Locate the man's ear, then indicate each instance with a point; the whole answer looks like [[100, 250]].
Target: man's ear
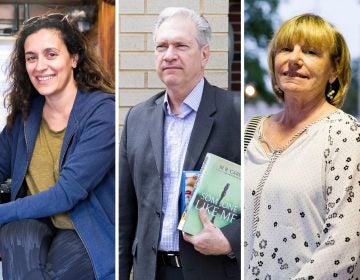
[[205, 54]]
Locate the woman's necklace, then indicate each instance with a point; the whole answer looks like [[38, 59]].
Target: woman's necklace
[[262, 138]]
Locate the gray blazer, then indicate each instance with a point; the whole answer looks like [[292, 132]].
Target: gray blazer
[[216, 130]]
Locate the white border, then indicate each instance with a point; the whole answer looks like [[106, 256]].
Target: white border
[[242, 15], [117, 138]]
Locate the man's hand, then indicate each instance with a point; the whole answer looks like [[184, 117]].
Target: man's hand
[[211, 240]]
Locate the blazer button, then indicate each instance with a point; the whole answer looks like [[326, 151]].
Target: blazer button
[[153, 248], [158, 213]]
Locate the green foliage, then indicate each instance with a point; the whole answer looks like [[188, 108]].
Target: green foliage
[[256, 76], [259, 16]]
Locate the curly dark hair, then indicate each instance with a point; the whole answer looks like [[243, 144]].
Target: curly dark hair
[[89, 73]]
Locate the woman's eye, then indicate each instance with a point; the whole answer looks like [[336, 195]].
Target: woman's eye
[[310, 52], [51, 55], [285, 49], [30, 59]]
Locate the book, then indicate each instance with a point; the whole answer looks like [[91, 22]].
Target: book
[[217, 189], [188, 180]]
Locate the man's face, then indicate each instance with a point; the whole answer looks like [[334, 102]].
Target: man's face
[[179, 59]]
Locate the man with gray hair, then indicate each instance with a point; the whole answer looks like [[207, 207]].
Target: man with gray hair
[[171, 132]]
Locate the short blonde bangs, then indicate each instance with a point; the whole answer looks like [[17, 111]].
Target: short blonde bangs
[[313, 31]]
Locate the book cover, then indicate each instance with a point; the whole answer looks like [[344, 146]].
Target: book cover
[[217, 189], [188, 179]]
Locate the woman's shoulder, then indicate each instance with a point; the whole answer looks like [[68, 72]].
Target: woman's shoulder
[[96, 96], [92, 104], [343, 128], [341, 119], [92, 100]]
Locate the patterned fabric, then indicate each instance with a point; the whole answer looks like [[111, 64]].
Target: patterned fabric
[[308, 216], [177, 131]]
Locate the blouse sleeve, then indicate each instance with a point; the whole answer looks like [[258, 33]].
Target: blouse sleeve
[[337, 254]]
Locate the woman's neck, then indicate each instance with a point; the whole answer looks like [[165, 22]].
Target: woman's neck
[[57, 110], [302, 113]]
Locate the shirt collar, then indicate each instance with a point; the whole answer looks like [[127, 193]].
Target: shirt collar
[[192, 101]]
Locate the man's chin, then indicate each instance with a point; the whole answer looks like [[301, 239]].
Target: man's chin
[[171, 81]]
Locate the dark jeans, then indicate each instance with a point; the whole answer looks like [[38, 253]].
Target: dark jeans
[[34, 249]]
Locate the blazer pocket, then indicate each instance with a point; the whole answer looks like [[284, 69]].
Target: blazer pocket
[[134, 247]]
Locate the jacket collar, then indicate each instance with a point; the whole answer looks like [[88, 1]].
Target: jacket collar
[[82, 105], [202, 127], [199, 135], [156, 126]]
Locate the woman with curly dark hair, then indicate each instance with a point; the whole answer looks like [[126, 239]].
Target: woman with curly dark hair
[[58, 148]]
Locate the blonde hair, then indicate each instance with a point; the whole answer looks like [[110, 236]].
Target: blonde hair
[[313, 30]]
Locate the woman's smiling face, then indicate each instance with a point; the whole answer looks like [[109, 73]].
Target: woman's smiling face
[[48, 62], [303, 69]]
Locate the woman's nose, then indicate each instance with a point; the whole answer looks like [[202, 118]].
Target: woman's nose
[[295, 56], [40, 64]]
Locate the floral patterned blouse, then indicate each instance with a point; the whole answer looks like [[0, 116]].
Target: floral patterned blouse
[[302, 205]]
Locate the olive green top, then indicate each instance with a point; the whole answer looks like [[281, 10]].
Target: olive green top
[[43, 171]]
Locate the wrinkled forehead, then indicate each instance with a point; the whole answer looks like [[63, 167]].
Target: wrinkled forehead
[[177, 24]]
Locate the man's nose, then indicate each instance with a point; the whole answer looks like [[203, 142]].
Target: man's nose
[[170, 53]]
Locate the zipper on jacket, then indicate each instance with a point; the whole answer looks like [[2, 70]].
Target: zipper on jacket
[[61, 159], [66, 145], [27, 161], [87, 251]]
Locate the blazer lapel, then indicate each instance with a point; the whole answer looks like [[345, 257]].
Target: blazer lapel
[[156, 127], [202, 127]]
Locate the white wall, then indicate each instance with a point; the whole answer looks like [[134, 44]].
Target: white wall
[[6, 46]]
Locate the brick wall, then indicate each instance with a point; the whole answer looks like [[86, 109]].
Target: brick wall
[[137, 77]]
